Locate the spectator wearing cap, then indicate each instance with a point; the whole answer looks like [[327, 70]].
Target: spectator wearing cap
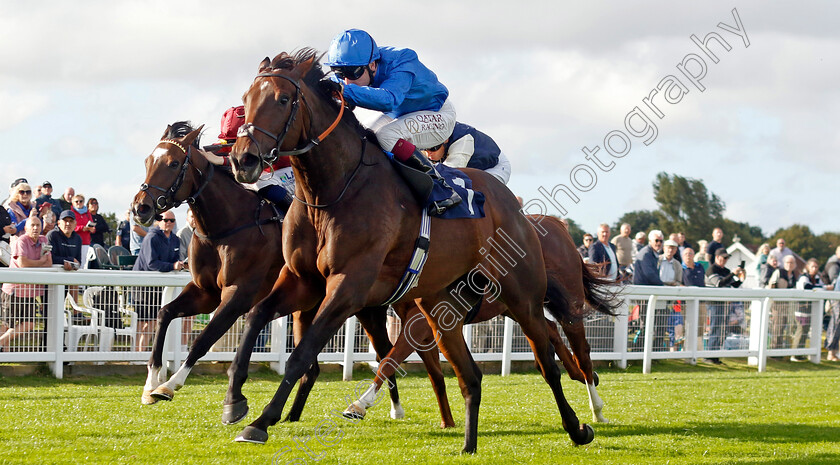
[[66, 243], [670, 270], [719, 275], [19, 302], [583, 250], [646, 266], [46, 197], [97, 236], [602, 252], [12, 190], [675, 238]]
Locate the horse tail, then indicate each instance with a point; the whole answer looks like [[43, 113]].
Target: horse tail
[[557, 300], [602, 294]]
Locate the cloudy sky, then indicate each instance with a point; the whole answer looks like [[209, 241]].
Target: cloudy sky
[[87, 88]]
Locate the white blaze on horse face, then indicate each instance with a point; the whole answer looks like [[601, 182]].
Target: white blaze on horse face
[[159, 152]]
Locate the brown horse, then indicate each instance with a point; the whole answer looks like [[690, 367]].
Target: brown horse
[[579, 284], [349, 238], [235, 257]]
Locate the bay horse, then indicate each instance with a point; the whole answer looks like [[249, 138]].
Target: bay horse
[[571, 284], [235, 256], [349, 237]]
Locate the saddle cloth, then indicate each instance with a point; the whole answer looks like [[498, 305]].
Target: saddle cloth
[[472, 202]]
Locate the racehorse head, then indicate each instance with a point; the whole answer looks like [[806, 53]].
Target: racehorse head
[[275, 124], [173, 173]]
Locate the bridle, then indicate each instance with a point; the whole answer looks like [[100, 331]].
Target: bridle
[[167, 200], [247, 129]]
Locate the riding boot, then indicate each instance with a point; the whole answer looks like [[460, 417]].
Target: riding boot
[[418, 161]]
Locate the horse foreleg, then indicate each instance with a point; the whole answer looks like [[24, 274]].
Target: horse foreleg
[[576, 334], [287, 295], [192, 301], [235, 301], [323, 328], [301, 323], [235, 405]]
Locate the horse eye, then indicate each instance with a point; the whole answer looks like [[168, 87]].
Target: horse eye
[[284, 100], [173, 164]]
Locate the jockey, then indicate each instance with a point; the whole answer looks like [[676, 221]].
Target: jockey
[[468, 147], [416, 109], [276, 183]]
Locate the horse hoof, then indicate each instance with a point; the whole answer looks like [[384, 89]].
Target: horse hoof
[[587, 433], [147, 399], [397, 412], [595, 378], [163, 393], [252, 435], [354, 412], [234, 413]]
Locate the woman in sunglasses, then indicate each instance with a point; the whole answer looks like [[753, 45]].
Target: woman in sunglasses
[[415, 106], [21, 206]]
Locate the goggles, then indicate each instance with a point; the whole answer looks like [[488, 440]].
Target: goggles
[[349, 72]]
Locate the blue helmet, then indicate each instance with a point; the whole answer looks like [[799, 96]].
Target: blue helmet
[[353, 47]]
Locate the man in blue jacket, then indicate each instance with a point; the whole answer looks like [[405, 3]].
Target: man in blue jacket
[[416, 109], [160, 251], [603, 253], [646, 266]]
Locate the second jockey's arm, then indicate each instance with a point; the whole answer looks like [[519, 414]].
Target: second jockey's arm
[[215, 159]]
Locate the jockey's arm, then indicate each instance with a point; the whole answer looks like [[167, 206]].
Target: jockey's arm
[[214, 159], [385, 98], [460, 152]]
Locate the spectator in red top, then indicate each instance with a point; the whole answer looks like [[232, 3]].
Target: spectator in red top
[[84, 225]]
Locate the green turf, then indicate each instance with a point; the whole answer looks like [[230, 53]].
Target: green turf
[[678, 414]]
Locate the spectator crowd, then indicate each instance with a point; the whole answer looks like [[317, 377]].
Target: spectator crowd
[[40, 231], [651, 260]]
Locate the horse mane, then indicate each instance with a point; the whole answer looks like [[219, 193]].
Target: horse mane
[[180, 129], [286, 61]]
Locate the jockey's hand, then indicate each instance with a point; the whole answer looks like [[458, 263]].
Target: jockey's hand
[[331, 87]]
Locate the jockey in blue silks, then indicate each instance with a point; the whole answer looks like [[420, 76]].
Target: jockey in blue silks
[[468, 147], [417, 113]]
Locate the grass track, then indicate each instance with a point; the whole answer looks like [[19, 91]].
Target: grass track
[[678, 414]]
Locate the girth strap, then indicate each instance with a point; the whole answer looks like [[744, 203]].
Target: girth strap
[[418, 259]]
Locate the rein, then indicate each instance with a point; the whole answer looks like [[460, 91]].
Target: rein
[[276, 218], [346, 185], [247, 129], [167, 201]]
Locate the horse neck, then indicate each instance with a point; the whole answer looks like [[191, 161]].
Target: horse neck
[[218, 206], [322, 174]]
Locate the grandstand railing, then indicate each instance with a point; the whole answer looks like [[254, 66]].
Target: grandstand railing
[[653, 323]]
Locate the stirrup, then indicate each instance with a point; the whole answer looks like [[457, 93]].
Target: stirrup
[[438, 208]]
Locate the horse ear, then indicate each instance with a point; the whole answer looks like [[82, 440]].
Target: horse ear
[[264, 64], [166, 133], [189, 138], [304, 67]]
